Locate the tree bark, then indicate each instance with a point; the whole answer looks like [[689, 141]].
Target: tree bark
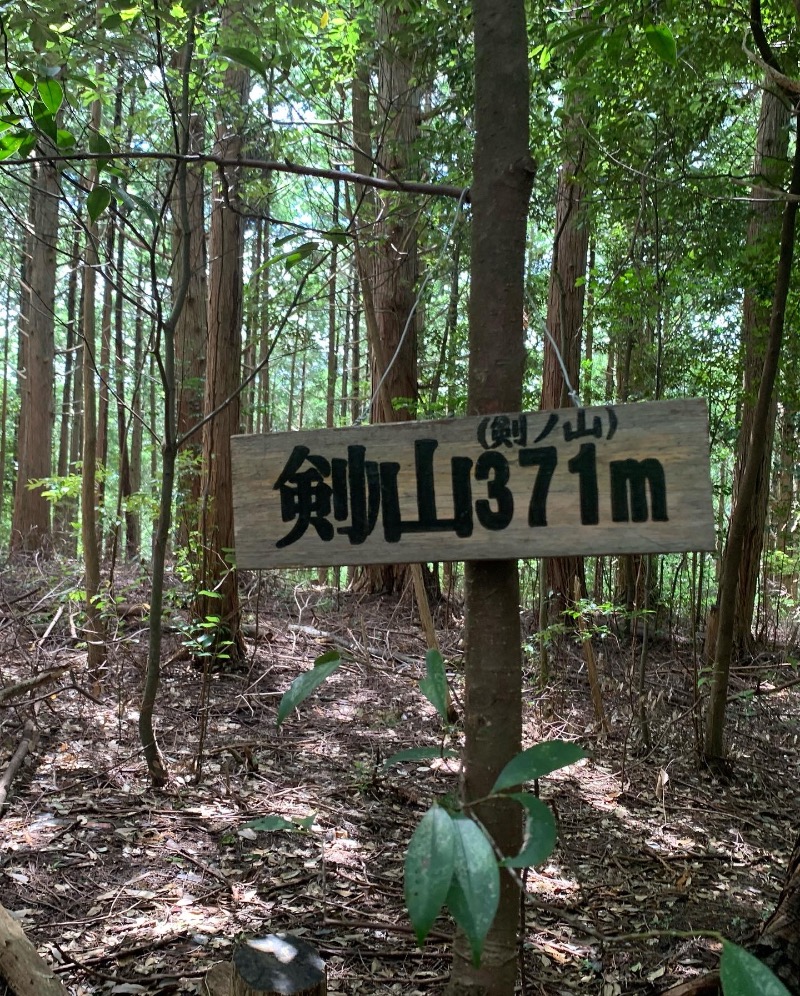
[[192, 330], [714, 748], [565, 301], [30, 526], [503, 172], [223, 359], [769, 168], [392, 267], [94, 629]]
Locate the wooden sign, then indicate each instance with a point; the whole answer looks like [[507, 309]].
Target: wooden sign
[[614, 479]]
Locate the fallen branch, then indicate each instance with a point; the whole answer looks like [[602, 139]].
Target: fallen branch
[[29, 737], [21, 966], [11, 691]]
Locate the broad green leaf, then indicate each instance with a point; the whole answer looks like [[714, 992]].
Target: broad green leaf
[[283, 240], [338, 238], [307, 683], [65, 139], [662, 42], [475, 890], [245, 58], [429, 869], [98, 200], [99, 143], [416, 754], [742, 974], [268, 823], [24, 80], [536, 762], [6, 93], [540, 832], [148, 208], [587, 44], [44, 120], [434, 685], [300, 253], [51, 94], [27, 144]]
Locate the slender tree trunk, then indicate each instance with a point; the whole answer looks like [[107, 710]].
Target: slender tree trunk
[[95, 629], [30, 525], [393, 266], [564, 322], [191, 332], [769, 165], [133, 536], [741, 515], [333, 345], [106, 317], [503, 173], [223, 373]]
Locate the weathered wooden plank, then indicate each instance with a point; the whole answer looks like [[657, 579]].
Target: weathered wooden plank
[[614, 479]]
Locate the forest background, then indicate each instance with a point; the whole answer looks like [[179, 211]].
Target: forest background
[[248, 218]]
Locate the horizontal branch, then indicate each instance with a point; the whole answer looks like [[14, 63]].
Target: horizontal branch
[[265, 165]]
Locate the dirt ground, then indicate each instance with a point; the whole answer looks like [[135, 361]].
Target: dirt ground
[[129, 890]]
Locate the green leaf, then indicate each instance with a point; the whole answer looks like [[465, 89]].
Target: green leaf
[[268, 823], [536, 762], [51, 94], [9, 146], [24, 80], [98, 200], [339, 238], [434, 685], [540, 832], [307, 683], [429, 869], [44, 120], [245, 58], [99, 144], [300, 253], [475, 890], [662, 42], [65, 139], [416, 754], [590, 39], [742, 974]]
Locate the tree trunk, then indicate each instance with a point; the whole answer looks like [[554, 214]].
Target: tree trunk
[[565, 300], [741, 515], [503, 177], [30, 526], [769, 165], [392, 269], [94, 630], [191, 331], [222, 374]]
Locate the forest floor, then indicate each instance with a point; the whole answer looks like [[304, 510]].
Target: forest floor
[[129, 890]]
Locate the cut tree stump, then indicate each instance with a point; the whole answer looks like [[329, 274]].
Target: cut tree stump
[[22, 969], [275, 965]]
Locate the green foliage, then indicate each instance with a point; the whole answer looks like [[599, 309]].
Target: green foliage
[[434, 685], [742, 974], [474, 893], [660, 39], [429, 865], [306, 684], [467, 877]]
